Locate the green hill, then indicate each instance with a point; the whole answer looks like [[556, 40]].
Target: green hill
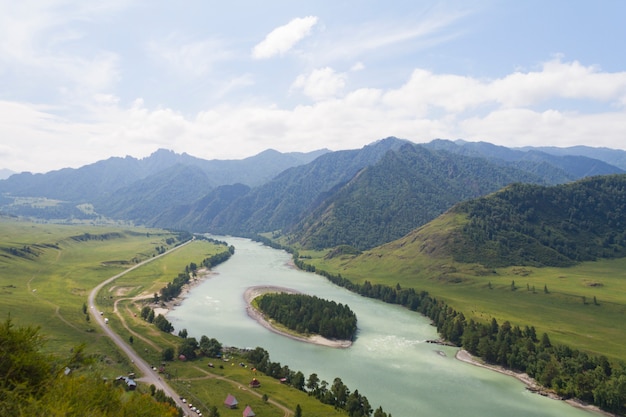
[[545, 226]]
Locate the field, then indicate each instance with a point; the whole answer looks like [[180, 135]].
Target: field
[[47, 272], [582, 306]]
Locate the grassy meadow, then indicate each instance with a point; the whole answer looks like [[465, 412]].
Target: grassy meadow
[[558, 301], [46, 274]]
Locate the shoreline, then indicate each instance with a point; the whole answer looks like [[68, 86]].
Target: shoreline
[[531, 385], [202, 275], [252, 292]]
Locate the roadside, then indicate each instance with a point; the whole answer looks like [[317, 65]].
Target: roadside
[[149, 376]]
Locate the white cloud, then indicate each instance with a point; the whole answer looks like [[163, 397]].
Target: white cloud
[[427, 106], [320, 84], [359, 66], [426, 92], [283, 38], [190, 58], [382, 37], [40, 47], [569, 80]]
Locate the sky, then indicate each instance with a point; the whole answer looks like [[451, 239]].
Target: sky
[[82, 81]]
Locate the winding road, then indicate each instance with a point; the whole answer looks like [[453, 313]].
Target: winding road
[[148, 374]]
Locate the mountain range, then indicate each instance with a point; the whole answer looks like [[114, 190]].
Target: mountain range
[[362, 198]]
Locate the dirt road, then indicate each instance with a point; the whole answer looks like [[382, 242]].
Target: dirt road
[[148, 375]]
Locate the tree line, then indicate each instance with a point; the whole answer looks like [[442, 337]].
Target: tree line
[[570, 373], [174, 287], [309, 314], [336, 394]]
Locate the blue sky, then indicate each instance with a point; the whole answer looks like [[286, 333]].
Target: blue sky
[[83, 81]]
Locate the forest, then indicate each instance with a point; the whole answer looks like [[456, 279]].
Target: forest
[[309, 314], [527, 224]]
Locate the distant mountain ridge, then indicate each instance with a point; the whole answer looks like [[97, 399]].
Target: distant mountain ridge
[[558, 168], [93, 181], [362, 197]]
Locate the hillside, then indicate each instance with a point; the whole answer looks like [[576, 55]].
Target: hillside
[[284, 200], [545, 226], [407, 188]]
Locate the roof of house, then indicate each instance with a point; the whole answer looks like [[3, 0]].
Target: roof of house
[[230, 400], [248, 412]]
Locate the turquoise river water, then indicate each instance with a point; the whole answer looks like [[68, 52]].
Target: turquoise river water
[[389, 362]]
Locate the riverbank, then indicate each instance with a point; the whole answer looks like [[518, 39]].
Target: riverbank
[[201, 275], [253, 292], [531, 384]]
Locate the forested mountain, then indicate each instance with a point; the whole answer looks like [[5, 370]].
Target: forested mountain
[[545, 226], [145, 199], [285, 200], [200, 213], [532, 225], [406, 189], [615, 157]]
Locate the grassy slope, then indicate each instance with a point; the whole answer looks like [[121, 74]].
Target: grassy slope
[[62, 278], [49, 289], [418, 261]]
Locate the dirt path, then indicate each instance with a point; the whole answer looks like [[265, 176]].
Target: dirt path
[[210, 375], [127, 327]]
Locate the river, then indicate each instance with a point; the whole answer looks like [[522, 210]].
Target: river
[[389, 362]]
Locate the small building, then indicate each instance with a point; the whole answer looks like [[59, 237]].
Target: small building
[[254, 383], [248, 412], [230, 401], [130, 383]]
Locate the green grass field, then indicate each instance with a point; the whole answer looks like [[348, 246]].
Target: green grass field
[[48, 283], [567, 311], [46, 276]]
